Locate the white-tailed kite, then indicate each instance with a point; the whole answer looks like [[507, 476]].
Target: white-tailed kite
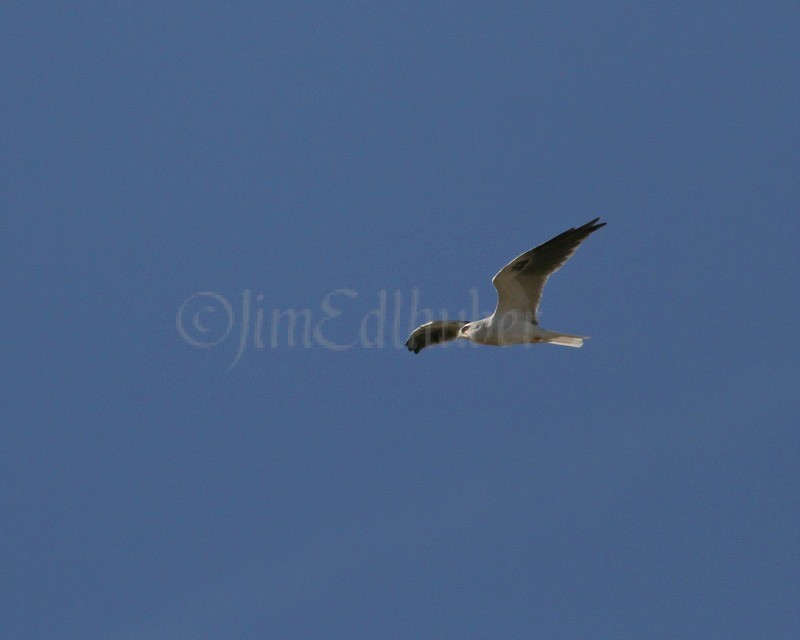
[[519, 289]]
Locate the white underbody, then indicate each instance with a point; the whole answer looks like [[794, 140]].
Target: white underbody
[[515, 327]]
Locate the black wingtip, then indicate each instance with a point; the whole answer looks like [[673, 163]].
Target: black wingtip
[[412, 347]]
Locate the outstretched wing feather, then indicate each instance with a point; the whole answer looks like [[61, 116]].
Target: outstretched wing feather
[[433, 333], [520, 283]]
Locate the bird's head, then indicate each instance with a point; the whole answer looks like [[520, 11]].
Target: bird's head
[[466, 331]]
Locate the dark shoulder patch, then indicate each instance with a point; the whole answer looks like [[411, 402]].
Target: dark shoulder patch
[[519, 266]]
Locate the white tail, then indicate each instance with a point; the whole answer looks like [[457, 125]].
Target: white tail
[[564, 339]]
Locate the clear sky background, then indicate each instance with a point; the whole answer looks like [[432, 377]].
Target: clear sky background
[[308, 157]]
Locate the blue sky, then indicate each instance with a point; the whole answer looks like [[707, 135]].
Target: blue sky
[[317, 160]]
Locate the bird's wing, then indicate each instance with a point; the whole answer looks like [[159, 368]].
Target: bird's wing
[[432, 333], [519, 284]]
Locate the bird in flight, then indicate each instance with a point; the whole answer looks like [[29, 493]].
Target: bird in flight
[[519, 290]]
